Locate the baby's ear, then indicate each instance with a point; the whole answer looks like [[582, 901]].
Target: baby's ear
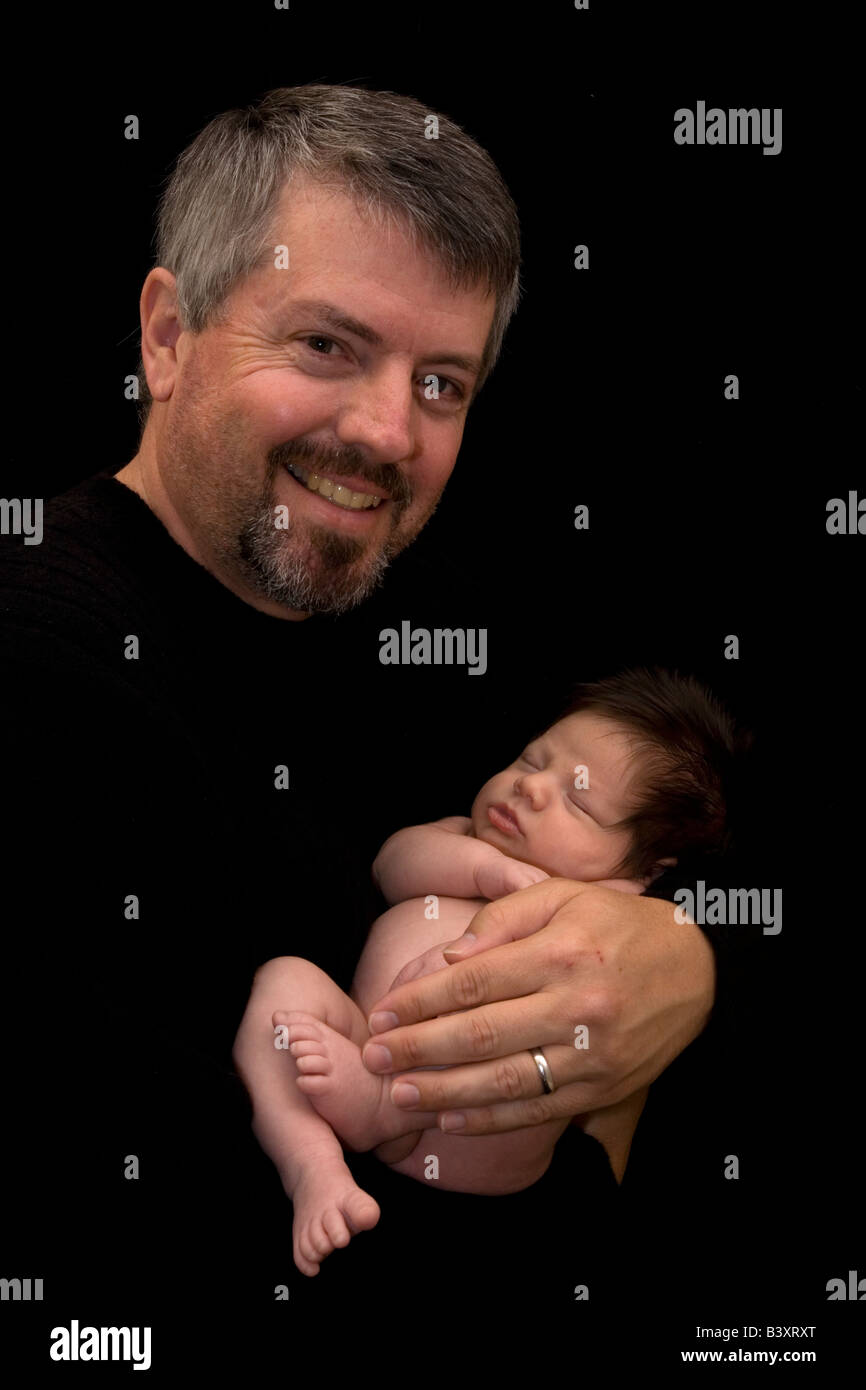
[[661, 865]]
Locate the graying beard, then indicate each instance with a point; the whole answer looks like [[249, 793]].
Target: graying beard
[[281, 575]]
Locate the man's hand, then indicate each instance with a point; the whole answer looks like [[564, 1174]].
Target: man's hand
[[499, 875], [534, 968]]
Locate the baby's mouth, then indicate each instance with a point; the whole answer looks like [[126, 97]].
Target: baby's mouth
[[502, 818]]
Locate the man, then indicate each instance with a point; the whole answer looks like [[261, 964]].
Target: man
[[332, 291]]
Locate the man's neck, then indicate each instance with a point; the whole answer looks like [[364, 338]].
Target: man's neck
[[147, 484]]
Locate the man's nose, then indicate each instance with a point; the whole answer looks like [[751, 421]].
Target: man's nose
[[379, 414]]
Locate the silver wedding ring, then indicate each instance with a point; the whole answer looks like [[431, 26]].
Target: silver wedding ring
[[543, 1070]]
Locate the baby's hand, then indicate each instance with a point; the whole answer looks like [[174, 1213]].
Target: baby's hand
[[427, 964], [496, 878]]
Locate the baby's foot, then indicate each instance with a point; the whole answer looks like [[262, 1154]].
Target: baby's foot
[[356, 1104], [329, 1209]]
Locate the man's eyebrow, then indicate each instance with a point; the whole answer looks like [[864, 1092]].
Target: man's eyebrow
[[337, 318]]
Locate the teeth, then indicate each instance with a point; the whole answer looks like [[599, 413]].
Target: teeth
[[335, 492]]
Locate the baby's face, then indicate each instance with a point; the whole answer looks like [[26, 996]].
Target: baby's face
[[532, 811]]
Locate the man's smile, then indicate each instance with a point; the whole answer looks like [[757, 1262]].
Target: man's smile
[[354, 498]]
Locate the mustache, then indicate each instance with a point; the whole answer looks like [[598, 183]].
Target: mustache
[[347, 462]]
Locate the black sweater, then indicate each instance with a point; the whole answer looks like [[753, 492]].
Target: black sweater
[[154, 865]]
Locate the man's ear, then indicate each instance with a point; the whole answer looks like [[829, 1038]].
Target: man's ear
[[160, 330]]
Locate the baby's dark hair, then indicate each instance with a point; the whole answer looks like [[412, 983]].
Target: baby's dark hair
[[687, 754]]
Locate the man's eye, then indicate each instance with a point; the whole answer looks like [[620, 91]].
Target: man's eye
[[440, 382], [319, 338]]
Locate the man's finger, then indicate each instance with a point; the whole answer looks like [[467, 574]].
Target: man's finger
[[495, 1082], [564, 1102], [481, 1034], [508, 972], [515, 917]]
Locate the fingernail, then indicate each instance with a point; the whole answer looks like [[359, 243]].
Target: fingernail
[[459, 946], [452, 1121], [377, 1058], [403, 1093], [380, 1023]]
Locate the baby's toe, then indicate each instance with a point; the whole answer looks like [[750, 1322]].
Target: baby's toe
[[315, 1085], [336, 1227], [361, 1210], [320, 1238], [306, 1047], [313, 1064], [307, 1250], [299, 1025]]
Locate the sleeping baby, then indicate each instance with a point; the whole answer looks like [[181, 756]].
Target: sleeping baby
[[632, 776]]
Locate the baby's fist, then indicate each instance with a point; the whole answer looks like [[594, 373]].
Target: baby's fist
[[499, 876]]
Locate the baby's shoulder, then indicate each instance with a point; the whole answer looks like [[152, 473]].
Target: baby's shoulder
[[458, 825]]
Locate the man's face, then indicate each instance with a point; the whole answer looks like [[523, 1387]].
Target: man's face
[[532, 811], [280, 394]]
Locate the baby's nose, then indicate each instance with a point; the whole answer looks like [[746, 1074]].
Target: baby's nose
[[537, 788]]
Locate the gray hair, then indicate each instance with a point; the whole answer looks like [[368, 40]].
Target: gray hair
[[216, 212]]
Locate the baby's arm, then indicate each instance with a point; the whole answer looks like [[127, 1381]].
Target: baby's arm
[[444, 857]]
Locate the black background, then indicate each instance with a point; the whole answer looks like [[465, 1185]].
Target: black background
[[707, 516]]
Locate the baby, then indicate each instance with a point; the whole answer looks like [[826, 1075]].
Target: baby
[[630, 777]]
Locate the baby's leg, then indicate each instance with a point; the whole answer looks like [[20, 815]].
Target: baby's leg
[[329, 1207], [397, 937], [323, 1029]]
